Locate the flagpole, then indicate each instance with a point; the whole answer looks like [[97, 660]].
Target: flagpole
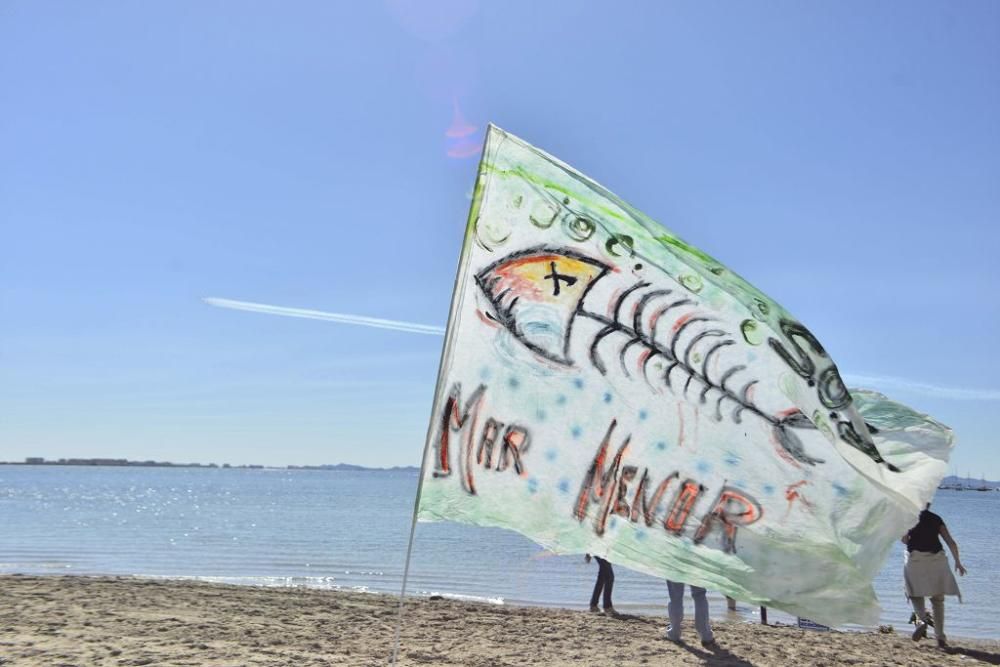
[[478, 197]]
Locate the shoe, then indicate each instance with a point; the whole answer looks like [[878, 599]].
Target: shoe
[[942, 642], [710, 644], [610, 611], [594, 609], [920, 632], [675, 640]]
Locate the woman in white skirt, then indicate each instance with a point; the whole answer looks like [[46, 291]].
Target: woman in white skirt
[[927, 573]]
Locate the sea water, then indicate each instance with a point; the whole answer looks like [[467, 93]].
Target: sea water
[[349, 530]]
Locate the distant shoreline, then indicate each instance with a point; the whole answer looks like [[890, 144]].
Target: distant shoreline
[[955, 483], [125, 463], [949, 483]]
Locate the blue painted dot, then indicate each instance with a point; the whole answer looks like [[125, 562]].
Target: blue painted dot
[[614, 522], [564, 485], [561, 399], [841, 491], [513, 382], [768, 489], [551, 454], [578, 383], [661, 445], [703, 467], [484, 373], [532, 485], [642, 415], [607, 397], [640, 535], [540, 414], [576, 431], [732, 459]]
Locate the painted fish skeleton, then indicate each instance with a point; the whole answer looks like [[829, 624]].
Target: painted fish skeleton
[[546, 298]]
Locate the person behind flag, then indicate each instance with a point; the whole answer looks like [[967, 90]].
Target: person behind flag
[[676, 612], [926, 572], [605, 583]]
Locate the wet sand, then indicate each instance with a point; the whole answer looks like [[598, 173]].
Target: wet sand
[[83, 621]]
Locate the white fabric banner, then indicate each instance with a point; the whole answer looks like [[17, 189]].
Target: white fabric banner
[[608, 388]]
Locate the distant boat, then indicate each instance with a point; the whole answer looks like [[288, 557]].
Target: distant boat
[[951, 482]]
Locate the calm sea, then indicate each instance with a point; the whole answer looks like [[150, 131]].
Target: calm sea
[[349, 530]]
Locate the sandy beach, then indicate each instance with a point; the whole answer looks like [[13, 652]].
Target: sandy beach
[[85, 621]]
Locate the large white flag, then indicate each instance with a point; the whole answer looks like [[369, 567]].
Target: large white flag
[[608, 388]]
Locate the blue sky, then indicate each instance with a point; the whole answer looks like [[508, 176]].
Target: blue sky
[[843, 156]]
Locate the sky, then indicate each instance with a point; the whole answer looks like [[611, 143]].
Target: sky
[[842, 156]]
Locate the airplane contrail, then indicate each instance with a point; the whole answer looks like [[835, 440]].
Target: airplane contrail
[[395, 325], [925, 388], [900, 384]]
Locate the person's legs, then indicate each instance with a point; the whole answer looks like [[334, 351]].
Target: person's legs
[[921, 611], [917, 601], [609, 583], [701, 622], [598, 586], [937, 604], [675, 609]]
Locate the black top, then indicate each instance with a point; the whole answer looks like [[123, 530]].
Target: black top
[[924, 536]]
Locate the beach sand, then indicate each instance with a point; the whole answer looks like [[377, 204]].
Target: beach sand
[[84, 621]]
